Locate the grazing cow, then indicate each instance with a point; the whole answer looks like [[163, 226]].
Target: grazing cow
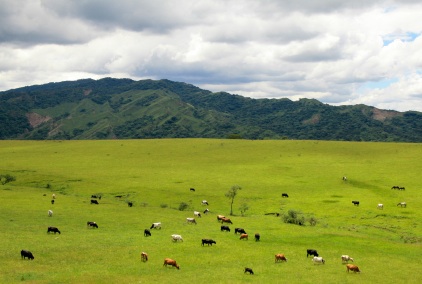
[[92, 224], [176, 238], [355, 202], [395, 187], [52, 201], [239, 230], [204, 202], [144, 256], [147, 233], [226, 220], [220, 217], [346, 258], [50, 213], [130, 204], [352, 267], [191, 221], [249, 270], [318, 260], [402, 204], [96, 196], [311, 252], [27, 253], [284, 195], [172, 262], [197, 214], [345, 178], [206, 211], [280, 257], [208, 242], [243, 236], [380, 206], [225, 228], [192, 189], [401, 188], [156, 225], [53, 196], [53, 229], [257, 237], [93, 201]]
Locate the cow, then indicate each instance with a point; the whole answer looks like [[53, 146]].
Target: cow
[[225, 228], [208, 242], [380, 206], [52, 201], [243, 237], [402, 204], [346, 258], [318, 260], [395, 187], [280, 257], [249, 270], [311, 252], [284, 195], [190, 221], [92, 224], [172, 262], [206, 211], [28, 254], [239, 230], [147, 233], [53, 229], [176, 238], [402, 188], [226, 220], [345, 178], [144, 256], [220, 217], [130, 204], [355, 202], [352, 267], [257, 237], [93, 201], [197, 214], [156, 225], [204, 202], [53, 196], [96, 196], [192, 189], [50, 213]]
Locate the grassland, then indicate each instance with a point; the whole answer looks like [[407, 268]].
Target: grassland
[[157, 174]]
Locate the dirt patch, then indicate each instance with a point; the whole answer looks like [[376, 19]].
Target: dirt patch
[[382, 115], [36, 119]]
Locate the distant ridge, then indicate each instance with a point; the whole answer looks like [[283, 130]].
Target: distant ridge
[[126, 109]]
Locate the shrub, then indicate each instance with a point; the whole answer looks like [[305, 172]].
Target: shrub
[[163, 205], [294, 217], [183, 206]]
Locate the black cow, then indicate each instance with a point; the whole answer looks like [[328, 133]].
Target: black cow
[[147, 233], [355, 202], [53, 229], [192, 189], [208, 242], [92, 224], [239, 230], [52, 201], [284, 195], [96, 196], [225, 228], [206, 211], [130, 204], [257, 237], [247, 269], [93, 201], [27, 253], [311, 252]]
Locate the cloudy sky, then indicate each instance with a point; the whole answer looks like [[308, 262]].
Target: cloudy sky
[[338, 52]]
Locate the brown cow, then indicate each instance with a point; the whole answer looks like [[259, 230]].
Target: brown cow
[[226, 220], [144, 256], [172, 262], [352, 267], [244, 236], [280, 257], [220, 217]]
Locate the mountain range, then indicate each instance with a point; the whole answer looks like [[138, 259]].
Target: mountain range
[[112, 108]]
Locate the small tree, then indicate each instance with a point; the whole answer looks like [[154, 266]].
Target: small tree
[[231, 194], [183, 206], [243, 208], [6, 179]]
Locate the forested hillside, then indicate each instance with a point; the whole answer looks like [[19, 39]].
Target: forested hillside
[[125, 109]]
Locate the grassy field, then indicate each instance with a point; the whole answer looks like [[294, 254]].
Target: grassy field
[[157, 174]]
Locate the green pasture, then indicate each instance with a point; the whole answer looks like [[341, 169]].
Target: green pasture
[[156, 175]]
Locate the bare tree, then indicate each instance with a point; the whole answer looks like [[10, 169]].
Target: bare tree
[[231, 194]]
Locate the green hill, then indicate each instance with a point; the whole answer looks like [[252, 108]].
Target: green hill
[[123, 108]]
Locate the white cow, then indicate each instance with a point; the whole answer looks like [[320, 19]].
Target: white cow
[[53, 196], [346, 258], [380, 206], [176, 238], [318, 259], [156, 225], [197, 214], [50, 213], [191, 221], [204, 202], [402, 204]]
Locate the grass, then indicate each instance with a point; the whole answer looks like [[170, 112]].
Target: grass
[[157, 174]]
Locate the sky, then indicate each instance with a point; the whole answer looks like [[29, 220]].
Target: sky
[[338, 52]]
